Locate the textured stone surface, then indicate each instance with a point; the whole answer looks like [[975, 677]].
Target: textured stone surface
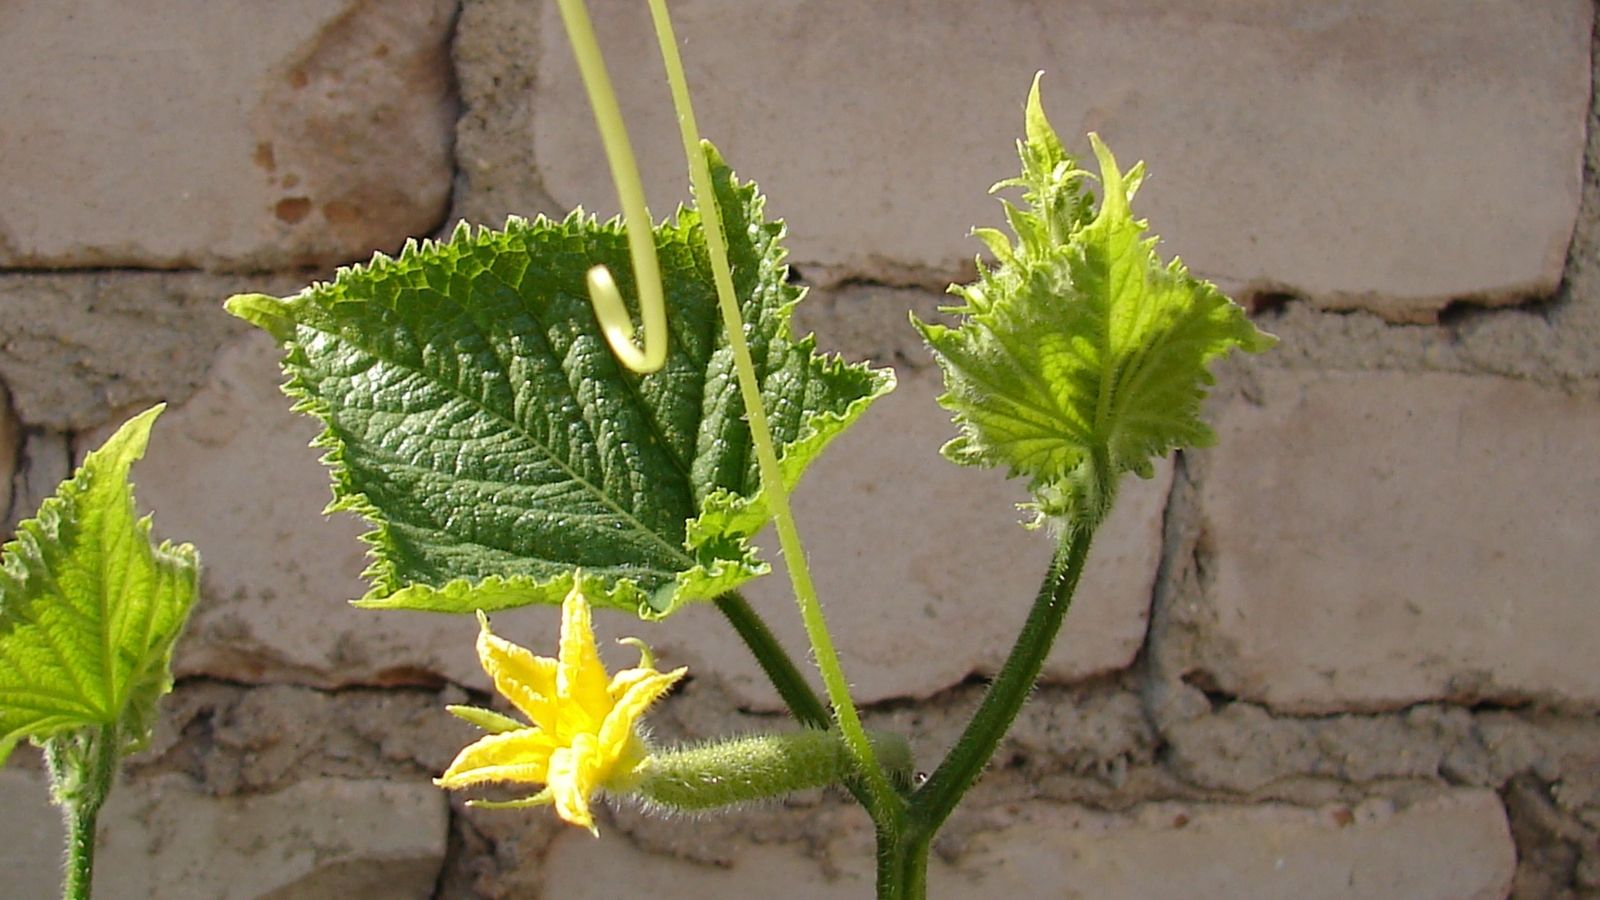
[[1372, 540], [10, 453], [44, 460], [320, 839], [322, 131], [922, 567], [1453, 846], [77, 348], [611, 867], [496, 67], [30, 834], [1243, 748], [254, 739], [1426, 151]]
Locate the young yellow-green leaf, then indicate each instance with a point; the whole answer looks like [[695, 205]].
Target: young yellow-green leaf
[[89, 607], [475, 415], [1080, 355]]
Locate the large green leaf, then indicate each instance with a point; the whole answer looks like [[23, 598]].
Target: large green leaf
[[475, 415], [1080, 355], [89, 608]]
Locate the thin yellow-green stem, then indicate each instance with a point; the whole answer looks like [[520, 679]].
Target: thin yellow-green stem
[[885, 800]]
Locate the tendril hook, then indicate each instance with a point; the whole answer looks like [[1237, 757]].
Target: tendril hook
[[609, 308]]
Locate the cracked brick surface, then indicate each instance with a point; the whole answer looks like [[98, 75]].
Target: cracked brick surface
[[225, 136]]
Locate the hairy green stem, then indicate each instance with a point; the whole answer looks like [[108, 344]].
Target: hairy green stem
[[792, 686], [885, 801], [903, 868], [933, 802], [83, 766], [759, 767]]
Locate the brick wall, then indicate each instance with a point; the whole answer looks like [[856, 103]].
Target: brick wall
[[1346, 653]]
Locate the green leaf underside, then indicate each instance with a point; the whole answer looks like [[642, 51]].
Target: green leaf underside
[[1080, 342], [89, 608], [475, 415]]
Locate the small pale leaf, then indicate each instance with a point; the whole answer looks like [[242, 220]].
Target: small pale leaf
[[89, 607], [1080, 355]]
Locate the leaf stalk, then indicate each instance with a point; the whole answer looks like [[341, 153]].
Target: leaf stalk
[[796, 693], [932, 803]]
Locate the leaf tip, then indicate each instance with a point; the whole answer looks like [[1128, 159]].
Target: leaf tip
[[1036, 125], [128, 442], [370, 602], [270, 314], [713, 156], [1115, 202]]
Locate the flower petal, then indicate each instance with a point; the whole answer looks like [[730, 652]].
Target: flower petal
[[580, 675], [521, 756], [572, 781], [542, 798], [625, 679], [617, 729], [528, 681], [583, 737]]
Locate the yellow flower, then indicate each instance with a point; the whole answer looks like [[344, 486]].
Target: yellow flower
[[583, 737]]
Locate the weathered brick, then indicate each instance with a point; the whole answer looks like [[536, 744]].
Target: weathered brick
[[1452, 846], [1426, 151], [43, 461], [612, 867], [81, 346], [30, 834], [10, 452], [1376, 539], [923, 568], [320, 839], [232, 135], [495, 72], [1455, 845]]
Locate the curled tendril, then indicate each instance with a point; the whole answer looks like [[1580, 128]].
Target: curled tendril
[[617, 325], [609, 308]]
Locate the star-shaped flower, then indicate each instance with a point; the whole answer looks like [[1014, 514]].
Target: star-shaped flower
[[584, 735]]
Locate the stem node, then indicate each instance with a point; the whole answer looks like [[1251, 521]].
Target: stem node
[[83, 764]]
